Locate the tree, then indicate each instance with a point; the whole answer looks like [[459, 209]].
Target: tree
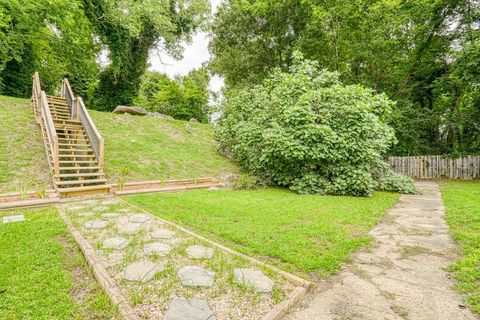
[[52, 37], [411, 50], [130, 30], [182, 98], [306, 130]]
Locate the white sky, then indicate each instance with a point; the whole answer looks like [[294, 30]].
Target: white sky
[[194, 55]]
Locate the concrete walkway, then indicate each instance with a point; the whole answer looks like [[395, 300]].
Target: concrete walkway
[[402, 276]]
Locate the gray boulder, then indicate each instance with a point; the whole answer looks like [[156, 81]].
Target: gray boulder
[[193, 120], [137, 111]]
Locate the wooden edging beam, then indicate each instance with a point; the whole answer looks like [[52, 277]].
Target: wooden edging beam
[[105, 281], [28, 203], [302, 285]]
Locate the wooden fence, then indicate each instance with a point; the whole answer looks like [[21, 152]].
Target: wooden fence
[[431, 167]]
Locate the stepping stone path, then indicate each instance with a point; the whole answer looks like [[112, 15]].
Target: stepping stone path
[[90, 202], [253, 278], [95, 224], [128, 229], [125, 210], [100, 208], [194, 276], [188, 309], [162, 234], [10, 219], [142, 271], [139, 218], [157, 248], [199, 252], [111, 215], [85, 214], [117, 243]]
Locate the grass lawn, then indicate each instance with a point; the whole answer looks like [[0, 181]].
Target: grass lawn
[[23, 163], [462, 201], [305, 234], [43, 274], [145, 148]]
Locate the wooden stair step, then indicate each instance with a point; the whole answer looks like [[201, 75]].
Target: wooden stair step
[[74, 175], [67, 121], [88, 181], [77, 162], [74, 145], [84, 189], [76, 156], [87, 149], [79, 168]]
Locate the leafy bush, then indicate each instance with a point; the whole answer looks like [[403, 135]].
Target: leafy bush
[[305, 130], [183, 98], [247, 182], [396, 182]]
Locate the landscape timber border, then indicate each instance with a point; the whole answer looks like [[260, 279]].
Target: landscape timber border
[[302, 285], [31, 199]]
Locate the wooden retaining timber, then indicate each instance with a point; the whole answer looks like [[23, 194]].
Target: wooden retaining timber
[[164, 186], [106, 282], [434, 167]]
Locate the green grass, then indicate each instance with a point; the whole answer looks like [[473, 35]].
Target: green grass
[[462, 201], [155, 149], [43, 274], [305, 234], [136, 149], [23, 164]]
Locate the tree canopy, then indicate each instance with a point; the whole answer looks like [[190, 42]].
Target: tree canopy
[[421, 53]]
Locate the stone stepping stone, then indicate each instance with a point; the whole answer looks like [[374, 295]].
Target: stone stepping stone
[[157, 248], [142, 271], [253, 278], [95, 224], [100, 208], [75, 208], [125, 210], [110, 202], [111, 215], [10, 219], [139, 218], [162, 234], [89, 202], [199, 252], [188, 309], [128, 229], [85, 214], [194, 276], [117, 243]]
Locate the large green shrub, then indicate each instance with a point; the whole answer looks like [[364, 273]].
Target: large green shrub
[[306, 130]]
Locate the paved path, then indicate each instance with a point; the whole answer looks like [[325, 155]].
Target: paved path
[[402, 276]]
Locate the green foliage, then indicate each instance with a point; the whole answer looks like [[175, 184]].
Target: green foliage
[[424, 54], [50, 36], [247, 182], [397, 183], [305, 130], [183, 98], [130, 30]]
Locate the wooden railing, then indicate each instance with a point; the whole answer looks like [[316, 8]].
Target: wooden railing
[[45, 120], [432, 167], [79, 112]]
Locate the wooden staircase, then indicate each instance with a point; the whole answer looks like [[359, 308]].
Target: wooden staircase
[[73, 145]]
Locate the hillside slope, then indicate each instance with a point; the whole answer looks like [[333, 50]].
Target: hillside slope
[[23, 163], [136, 148]]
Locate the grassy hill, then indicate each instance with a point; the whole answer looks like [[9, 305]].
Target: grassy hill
[[136, 148]]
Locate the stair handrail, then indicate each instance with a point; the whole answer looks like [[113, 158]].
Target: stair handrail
[[79, 112], [45, 120]]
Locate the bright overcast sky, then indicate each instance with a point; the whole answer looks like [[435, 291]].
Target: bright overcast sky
[[194, 55]]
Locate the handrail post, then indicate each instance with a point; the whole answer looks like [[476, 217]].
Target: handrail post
[[101, 153], [77, 108], [56, 157]]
